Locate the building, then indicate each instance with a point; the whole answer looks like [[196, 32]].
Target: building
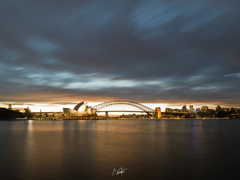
[[191, 107], [81, 109], [198, 110], [184, 108], [176, 111], [169, 110], [218, 108], [204, 109], [47, 114]]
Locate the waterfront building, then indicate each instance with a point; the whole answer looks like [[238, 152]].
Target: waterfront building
[[191, 107], [234, 109], [198, 110], [81, 109], [184, 108], [204, 109], [168, 110], [47, 114], [176, 110], [224, 109], [218, 108]]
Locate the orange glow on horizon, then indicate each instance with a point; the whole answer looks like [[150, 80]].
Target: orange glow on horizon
[[57, 106]]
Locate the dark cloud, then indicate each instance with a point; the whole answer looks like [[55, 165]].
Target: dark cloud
[[149, 51]]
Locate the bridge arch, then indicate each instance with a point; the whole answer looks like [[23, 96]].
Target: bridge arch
[[122, 106]]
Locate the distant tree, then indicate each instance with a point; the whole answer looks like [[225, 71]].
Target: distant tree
[[28, 113]]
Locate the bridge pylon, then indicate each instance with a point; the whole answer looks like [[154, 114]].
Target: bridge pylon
[[106, 114]]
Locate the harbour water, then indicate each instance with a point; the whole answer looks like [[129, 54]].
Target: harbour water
[[149, 149]]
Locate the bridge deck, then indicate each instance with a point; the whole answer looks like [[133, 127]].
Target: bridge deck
[[128, 111]]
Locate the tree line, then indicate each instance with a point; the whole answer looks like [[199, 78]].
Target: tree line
[[6, 114]]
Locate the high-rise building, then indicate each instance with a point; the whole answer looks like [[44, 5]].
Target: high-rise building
[[204, 109], [218, 108], [191, 107], [233, 109], [184, 108]]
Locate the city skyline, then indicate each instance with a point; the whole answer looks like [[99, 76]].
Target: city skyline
[[156, 52], [57, 107]]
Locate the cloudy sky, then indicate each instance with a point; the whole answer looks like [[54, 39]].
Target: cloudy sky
[[162, 51]]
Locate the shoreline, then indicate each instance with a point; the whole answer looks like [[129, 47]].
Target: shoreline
[[118, 119]]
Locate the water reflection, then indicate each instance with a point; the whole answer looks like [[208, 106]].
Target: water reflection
[[163, 149]]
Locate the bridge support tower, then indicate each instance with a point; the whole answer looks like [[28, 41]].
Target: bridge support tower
[[106, 114], [158, 113]]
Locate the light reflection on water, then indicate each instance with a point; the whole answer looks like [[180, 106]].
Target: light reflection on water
[[150, 149]]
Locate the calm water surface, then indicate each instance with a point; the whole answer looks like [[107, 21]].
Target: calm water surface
[[149, 149]]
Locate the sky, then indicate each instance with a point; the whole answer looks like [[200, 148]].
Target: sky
[[169, 53]]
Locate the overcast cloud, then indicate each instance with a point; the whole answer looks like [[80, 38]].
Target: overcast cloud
[[185, 51]]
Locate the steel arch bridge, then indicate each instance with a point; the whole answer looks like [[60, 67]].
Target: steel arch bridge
[[123, 106]]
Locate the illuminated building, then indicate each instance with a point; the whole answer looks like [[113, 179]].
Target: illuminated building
[[204, 109], [81, 109], [168, 110], [158, 113], [176, 110], [191, 107], [184, 108], [218, 108]]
